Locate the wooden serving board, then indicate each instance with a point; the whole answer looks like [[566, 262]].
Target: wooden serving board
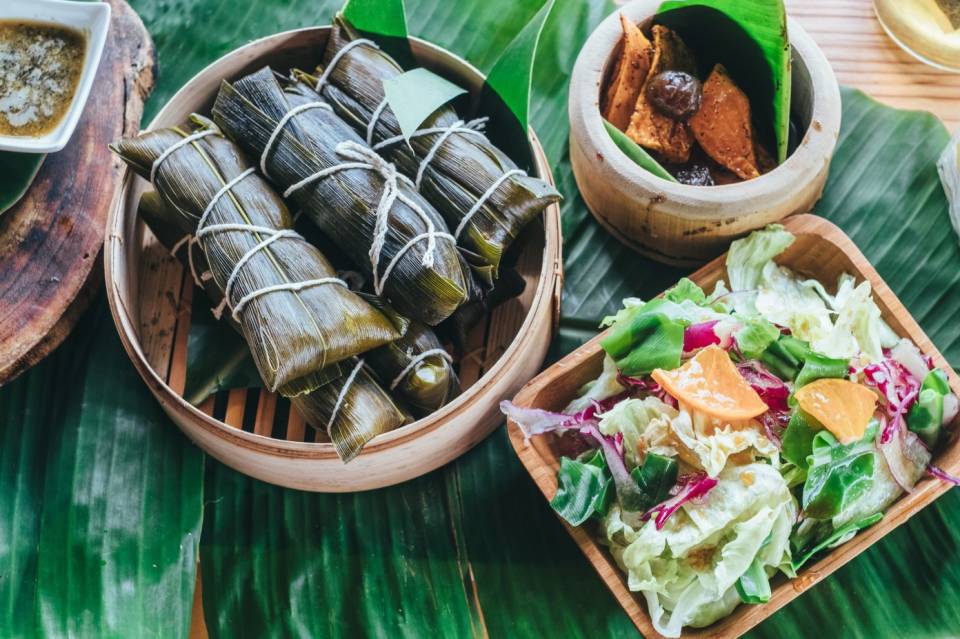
[[51, 241], [822, 251]]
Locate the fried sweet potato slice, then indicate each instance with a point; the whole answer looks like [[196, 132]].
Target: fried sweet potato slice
[[723, 127], [649, 128], [628, 77]]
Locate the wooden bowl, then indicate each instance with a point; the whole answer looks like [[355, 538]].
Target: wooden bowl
[[821, 251], [687, 225], [255, 431]]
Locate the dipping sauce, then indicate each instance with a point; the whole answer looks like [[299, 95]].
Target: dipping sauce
[[40, 66]]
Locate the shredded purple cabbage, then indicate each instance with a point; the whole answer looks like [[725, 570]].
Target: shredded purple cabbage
[[688, 488], [941, 474], [697, 336], [774, 393], [771, 389], [899, 389], [647, 385]]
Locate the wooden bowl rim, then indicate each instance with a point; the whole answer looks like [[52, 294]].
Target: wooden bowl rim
[[548, 290], [746, 617], [815, 149]]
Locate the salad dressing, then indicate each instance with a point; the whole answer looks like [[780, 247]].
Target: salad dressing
[[40, 67]]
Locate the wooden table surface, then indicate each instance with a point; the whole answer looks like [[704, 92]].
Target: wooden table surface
[[863, 56]]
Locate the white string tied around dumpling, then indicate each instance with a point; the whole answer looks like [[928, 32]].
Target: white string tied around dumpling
[[362, 157], [203, 230], [416, 361], [173, 148], [277, 130], [343, 393], [322, 80], [189, 240], [473, 127], [483, 199]]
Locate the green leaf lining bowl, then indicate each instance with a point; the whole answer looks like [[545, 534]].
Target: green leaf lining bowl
[[688, 225]]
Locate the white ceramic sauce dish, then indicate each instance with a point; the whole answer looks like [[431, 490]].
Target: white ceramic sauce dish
[[92, 19]]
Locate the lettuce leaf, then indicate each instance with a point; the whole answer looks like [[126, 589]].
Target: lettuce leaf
[[859, 327], [634, 419], [838, 537], [754, 585], [656, 477], [585, 489], [688, 571], [748, 257], [798, 439], [712, 446], [644, 339], [755, 336], [686, 290], [838, 474]]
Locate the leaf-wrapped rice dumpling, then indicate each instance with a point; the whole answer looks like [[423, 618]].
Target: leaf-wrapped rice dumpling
[[352, 410], [356, 198], [175, 234], [484, 197], [417, 369], [295, 314]]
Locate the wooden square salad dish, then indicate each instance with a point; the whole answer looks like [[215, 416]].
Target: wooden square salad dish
[[721, 449]]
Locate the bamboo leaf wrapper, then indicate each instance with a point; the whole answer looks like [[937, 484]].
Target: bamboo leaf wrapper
[[477, 188], [283, 293], [352, 410], [173, 231], [355, 197], [417, 369]]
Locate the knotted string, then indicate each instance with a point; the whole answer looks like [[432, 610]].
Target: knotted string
[[473, 127], [363, 158]]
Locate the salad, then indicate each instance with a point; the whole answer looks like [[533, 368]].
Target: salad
[[737, 434]]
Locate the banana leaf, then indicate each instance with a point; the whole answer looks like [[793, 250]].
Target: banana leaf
[[529, 580], [408, 251], [101, 499], [472, 549], [293, 332], [17, 172], [417, 369], [352, 410], [461, 170]]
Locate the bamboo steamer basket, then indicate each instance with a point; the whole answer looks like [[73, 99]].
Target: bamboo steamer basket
[[687, 225], [257, 432], [822, 251]]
